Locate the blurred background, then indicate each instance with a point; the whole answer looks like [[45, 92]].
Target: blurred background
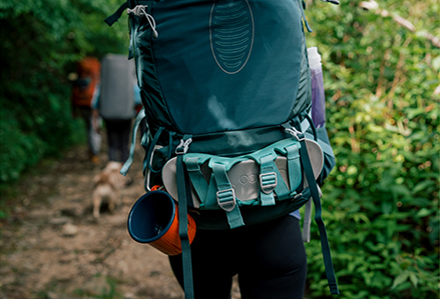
[[381, 66]]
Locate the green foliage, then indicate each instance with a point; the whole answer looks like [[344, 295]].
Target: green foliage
[[381, 200], [41, 41]]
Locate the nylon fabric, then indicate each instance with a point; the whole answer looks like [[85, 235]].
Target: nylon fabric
[[190, 89], [151, 92]]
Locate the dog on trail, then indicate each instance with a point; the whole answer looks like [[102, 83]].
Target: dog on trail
[[106, 187]]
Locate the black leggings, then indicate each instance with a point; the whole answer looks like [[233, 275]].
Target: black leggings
[[269, 258], [118, 136]]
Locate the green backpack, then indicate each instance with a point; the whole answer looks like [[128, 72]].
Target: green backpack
[[226, 89]]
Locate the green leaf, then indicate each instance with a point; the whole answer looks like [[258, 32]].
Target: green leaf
[[413, 278], [422, 186], [423, 213], [401, 278]]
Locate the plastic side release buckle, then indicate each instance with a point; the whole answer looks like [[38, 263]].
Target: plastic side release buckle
[[268, 182], [295, 133], [226, 199], [183, 146]]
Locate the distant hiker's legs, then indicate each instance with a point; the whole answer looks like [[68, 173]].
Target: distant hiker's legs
[[125, 138], [112, 140], [95, 140], [93, 137], [269, 258], [118, 135]]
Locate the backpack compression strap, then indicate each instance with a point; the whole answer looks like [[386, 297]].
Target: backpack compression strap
[[114, 17], [330, 272], [129, 161], [226, 196], [184, 193]]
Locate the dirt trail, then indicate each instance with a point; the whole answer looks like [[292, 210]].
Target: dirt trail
[[51, 247]]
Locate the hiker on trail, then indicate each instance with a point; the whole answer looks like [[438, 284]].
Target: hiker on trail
[[84, 99], [231, 141]]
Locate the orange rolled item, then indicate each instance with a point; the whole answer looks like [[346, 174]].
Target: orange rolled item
[[154, 220]]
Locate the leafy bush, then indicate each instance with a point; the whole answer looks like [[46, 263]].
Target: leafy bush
[[15, 147], [41, 41], [381, 200]]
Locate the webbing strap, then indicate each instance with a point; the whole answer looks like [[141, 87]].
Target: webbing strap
[[151, 149], [294, 166], [268, 180], [144, 143], [281, 189], [210, 202], [301, 6], [129, 161], [334, 2], [318, 209], [184, 193], [114, 17], [226, 196], [196, 176]]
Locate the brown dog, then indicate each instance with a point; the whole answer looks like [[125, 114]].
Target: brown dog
[[107, 185]]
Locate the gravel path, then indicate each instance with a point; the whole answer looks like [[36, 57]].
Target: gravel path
[[52, 248]]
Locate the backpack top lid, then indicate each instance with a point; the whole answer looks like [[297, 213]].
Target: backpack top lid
[[222, 65]]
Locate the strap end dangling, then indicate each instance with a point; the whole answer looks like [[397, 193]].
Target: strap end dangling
[[335, 2], [115, 17], [334, 289]]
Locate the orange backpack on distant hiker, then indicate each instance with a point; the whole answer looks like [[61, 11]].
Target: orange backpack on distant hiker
[[89, 72]]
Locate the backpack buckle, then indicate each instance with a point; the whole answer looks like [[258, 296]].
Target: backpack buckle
[[183, 146], [268, 182], [226, 199], [295, 133]]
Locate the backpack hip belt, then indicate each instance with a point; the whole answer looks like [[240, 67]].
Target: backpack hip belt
[[261, 178]]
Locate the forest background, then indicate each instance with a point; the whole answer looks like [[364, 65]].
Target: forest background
[[381, 64]]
